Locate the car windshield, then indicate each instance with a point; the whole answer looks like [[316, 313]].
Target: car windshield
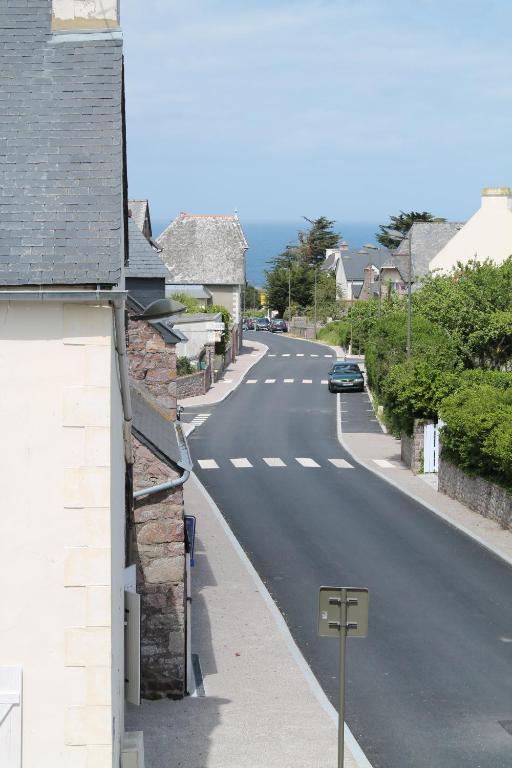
[[346, 368]]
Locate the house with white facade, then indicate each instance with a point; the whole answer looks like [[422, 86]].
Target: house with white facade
[[69, 653], [486, 235]]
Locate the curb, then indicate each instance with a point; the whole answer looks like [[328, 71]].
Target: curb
[[235, 385], [452, 523], [315, 687]]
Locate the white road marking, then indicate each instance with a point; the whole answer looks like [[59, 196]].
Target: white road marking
[[327, 355], [274, 462], [270, 381], [307, 381], [384, 463], [307, 462], [299, 354], [272, 355], [287, 354], [207, 464], [341, 464], [288, 381], [241, 463], [324, 381], [313, 355], [251, 381]]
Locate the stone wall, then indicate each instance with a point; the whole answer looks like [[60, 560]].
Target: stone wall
[[482, 496], [153, 362], [412, 448], [158, 550], [191, 385], [301, 327]]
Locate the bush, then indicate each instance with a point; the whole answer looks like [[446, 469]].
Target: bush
[[184, 366], [477, 435], [334, 333], [221, 345]]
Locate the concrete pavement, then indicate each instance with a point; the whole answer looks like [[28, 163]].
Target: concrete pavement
[[263, 708]]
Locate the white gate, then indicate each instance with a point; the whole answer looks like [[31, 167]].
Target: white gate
[[431, 447]]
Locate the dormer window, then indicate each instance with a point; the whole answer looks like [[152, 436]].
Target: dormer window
[[84, 15]]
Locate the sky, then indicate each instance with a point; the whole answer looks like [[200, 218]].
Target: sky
[[352, 109]]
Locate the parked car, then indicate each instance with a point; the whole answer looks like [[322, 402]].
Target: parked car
[[345, 376], [278, 326], [262, 324]]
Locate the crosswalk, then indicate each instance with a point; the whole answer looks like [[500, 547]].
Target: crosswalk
[[307, 462], [286, 381], [199, 419], [296, 354], [243, 462]]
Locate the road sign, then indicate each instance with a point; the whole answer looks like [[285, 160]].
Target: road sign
[[343, 612], [329, 622]]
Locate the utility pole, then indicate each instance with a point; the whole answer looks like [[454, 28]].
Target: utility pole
[[289, 294], [409, 297], [315, 299]]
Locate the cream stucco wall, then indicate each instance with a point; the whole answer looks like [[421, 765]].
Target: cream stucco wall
[[227, 296], [487, 234], [62, 478]]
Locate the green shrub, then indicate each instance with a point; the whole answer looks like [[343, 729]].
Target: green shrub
[[222, 345], [477, 435], [184, 366]]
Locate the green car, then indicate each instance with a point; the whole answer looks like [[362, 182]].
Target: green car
[[345, 376]]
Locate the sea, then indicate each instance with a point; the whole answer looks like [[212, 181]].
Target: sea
[[267, 239]]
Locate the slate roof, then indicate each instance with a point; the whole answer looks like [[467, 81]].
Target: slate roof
[[329, 263], [354, 263], [144, 261], [139, 212], [207, 249], [61, 163], [427, 239], [155, 428]]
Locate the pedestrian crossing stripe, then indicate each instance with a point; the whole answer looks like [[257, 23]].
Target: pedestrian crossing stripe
[[270, 381], [288, 381], [252, 381], [274, 462], [207, 464], [341, 464], [241, 463], [307, 381], [299, 354], [309, 463]]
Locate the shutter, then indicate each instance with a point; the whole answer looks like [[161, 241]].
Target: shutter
[[132, 647], [10, 717]]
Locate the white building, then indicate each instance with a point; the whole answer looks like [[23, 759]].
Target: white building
[[65, 407], [487, 234]]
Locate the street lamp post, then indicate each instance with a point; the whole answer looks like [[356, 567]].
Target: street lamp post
[[351, 299], [316, 271], [289, 294], [396, 235]]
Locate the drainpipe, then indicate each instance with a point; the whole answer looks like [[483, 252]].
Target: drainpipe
[[117, 299], [185, 465]]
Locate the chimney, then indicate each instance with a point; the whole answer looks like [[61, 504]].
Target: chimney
[[84, 15], [497, 197], [343, 245]]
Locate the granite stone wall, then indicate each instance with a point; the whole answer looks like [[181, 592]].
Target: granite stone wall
[[482, 496], [191, 385], [153, 362], [412, 448], [158, 550]]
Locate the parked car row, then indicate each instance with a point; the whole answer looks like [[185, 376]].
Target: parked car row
[[276, 325]]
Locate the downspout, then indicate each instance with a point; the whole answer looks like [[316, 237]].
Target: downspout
[[186, 466]]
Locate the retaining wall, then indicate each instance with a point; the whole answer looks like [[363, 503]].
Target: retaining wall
[[480, 495]]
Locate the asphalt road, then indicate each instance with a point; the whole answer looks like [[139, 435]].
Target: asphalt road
[[432, 684]]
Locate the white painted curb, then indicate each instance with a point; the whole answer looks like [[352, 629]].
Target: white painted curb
[[350, 740]]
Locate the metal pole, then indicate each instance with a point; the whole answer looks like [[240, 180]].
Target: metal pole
[[409, 300], [380, 286], [343, 643], [289, 294], [315, 302]]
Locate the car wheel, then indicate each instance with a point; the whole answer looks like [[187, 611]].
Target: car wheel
[[330, 388]]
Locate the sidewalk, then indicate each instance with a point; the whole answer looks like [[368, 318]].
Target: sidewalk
[[263, 708], [368, 446], [252, 352]]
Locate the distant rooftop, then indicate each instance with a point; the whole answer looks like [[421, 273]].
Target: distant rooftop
[[144, 260], [139, 210], [427, 239], [205, 249]]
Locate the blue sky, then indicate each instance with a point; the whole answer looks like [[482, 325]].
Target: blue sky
[[349, 108]]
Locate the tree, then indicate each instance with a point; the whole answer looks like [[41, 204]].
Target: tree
[[402, 223], [250, 297], [314, 242], [301, 278]]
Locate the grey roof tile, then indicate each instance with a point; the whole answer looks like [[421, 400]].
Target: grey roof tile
[[427, 239], [207, 249], [144, 261], [61, 163], [139, 212]]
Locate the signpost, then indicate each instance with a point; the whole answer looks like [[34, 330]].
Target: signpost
[[343, 612]]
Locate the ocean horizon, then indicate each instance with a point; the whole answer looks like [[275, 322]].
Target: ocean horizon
[[268, 239]]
